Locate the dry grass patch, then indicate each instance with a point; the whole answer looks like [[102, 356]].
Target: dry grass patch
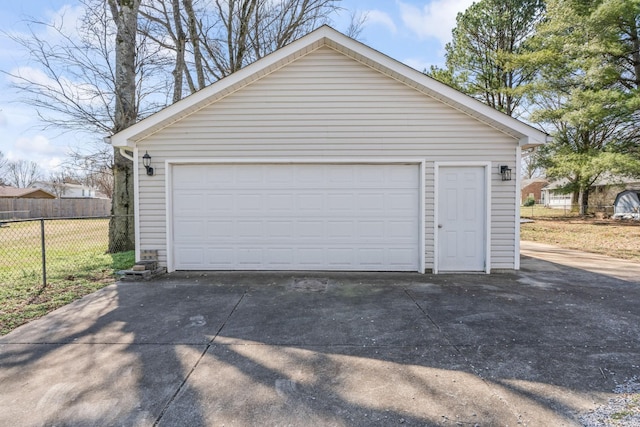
[[615, 238]]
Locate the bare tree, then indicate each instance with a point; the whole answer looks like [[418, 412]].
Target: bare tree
[[101, 180], [211, 39], [129, 58], [94, 170], [57, 183], [80, 84], [23, 173], [530, 164], [357, 20]]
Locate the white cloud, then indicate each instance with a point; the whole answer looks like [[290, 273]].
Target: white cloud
[[20, 74], [37, 148], [37, 144], [3, 120], [381, 18], [435, 19], [66, 19]]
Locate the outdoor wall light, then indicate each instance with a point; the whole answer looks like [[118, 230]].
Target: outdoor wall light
[[505, 172], [146, 161]]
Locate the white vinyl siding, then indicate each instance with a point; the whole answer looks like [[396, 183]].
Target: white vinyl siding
[[327, 105]]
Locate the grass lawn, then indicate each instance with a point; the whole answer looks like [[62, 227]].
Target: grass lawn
[[616, 238], [77, 264]]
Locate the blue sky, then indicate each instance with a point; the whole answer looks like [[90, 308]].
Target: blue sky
[[411, 31]]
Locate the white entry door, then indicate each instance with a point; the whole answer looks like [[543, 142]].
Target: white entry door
[[462, 214], [296, 217]]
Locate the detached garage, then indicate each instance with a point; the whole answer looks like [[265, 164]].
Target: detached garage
[[328, 155]]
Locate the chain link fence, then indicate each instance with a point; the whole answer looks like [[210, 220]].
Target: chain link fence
[[567, 210], [44, 250]]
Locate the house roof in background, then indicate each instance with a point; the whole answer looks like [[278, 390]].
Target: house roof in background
[[529, 181], [25, 193]]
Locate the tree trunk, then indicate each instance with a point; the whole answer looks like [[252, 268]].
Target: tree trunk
[[125, 16], [121, 226], [575, 200], [180, 66], [583, 201], [195, 42]]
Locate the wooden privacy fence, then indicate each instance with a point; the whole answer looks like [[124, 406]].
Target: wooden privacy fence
[[53, 208]]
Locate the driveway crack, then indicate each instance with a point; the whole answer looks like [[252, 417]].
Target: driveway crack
[[195, 365]]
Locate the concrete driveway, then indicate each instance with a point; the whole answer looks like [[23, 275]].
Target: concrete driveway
[[543, 346]]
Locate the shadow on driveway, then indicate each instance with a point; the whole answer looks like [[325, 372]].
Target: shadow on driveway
[[536, 347]]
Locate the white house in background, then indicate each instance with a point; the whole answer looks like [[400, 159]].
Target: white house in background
[[553, 199], [69, 190], [603, 192], [328, 155]]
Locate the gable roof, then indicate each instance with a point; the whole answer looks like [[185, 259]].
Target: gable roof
[[25, 193], [527, 135]]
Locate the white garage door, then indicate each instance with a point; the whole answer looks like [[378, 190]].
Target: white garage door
[[296, 217]]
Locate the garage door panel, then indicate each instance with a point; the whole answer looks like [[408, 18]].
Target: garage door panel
[[341, 230], [310, 202], [402, 229], [371, 202], [221, 257], [219, 202], [219, 229], [251, 229], [371, 229], [280, 229], [341, 202], [371, 257], [189, 202], [190, 256], [189, 178], [248, 202], [280, 202], [340, 257], [306, 229], [188, 229], [296, 217], [399, 256]]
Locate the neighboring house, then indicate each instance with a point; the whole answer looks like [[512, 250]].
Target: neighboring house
[[553, 198], [24, 193], [78, 191], [532, 188], [68, 190], [602, 195], [328, 155]]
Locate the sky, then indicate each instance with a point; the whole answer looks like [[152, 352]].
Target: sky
[[411, 31]]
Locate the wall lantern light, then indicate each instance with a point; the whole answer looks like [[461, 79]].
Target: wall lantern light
[[146, 161], [505, 172]]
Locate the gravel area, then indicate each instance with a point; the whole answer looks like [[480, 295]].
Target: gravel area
[[622, 410]]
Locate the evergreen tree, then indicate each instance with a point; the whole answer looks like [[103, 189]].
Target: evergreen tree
[[586, 91], [478, 59]]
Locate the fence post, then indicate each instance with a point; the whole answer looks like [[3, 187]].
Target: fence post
[[44, 254]]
